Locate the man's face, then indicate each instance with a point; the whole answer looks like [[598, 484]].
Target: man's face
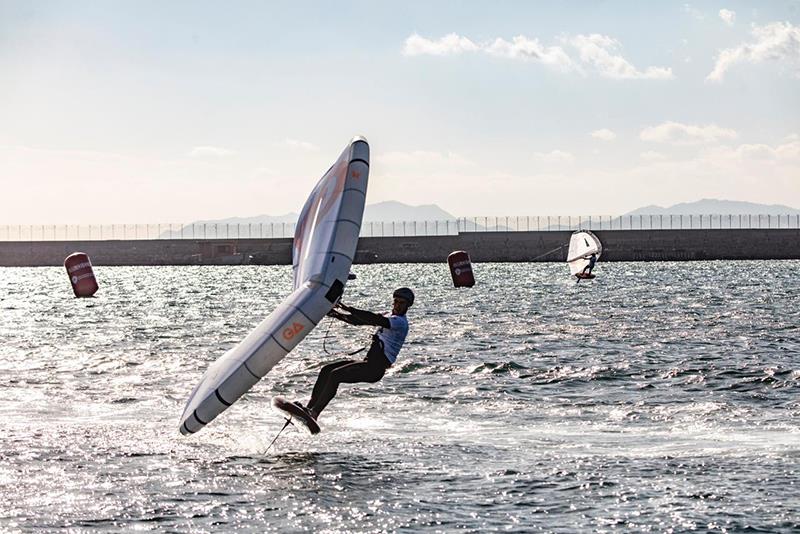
[[399, 306]]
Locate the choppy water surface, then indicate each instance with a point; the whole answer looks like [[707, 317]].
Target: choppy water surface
[[661, 396]]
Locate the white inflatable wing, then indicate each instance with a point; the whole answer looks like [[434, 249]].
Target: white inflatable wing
[[324, 247], [582, 244]]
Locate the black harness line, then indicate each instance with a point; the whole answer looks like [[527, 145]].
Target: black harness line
[[340, 353]]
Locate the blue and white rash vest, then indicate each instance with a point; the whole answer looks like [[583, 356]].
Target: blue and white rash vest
[[393, 337]]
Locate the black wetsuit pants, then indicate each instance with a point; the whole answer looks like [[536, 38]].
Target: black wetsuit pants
[[370, 369]]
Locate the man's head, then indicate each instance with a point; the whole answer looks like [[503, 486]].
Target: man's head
[[403, 298]]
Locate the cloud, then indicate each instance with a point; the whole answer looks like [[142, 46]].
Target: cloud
[[789, 151], [423, 159], [686, 134], [597, 52], [263, 173], [531, 49], [554, 156], [756, 162], [450, 44], [604, 134], [693, 12], [785, 153], [777, 41], [294, 144], [210, 152], [727, 16], [651, 155]]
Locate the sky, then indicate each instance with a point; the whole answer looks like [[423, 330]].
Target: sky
[[150, 111]]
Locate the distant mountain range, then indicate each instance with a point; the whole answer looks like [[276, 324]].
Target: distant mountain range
[[382, 217], [710, 206], [393, 211], [380, 212]]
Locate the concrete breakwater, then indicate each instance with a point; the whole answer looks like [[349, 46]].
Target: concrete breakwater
[[544, 246]]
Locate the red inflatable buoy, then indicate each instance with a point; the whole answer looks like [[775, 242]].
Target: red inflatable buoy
[[81, 276], [461, 269]]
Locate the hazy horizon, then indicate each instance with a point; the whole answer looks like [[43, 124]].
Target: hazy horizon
[[143, 111]]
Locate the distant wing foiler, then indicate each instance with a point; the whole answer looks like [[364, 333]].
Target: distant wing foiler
[[324, 247], [582, 245]]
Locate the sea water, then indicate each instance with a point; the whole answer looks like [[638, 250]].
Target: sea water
[[658, 397]]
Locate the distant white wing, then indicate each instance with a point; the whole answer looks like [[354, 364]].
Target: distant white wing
[[582, 244]]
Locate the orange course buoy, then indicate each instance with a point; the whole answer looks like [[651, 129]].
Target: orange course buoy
[[461, 269], [81, 275]]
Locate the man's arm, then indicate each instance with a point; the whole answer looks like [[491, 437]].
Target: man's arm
[[358, 317], [347, 318]]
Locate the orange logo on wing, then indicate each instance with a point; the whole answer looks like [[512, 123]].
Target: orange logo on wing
[[291, 331]]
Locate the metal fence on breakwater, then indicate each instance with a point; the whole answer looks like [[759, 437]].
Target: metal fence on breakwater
[[102, 232]]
